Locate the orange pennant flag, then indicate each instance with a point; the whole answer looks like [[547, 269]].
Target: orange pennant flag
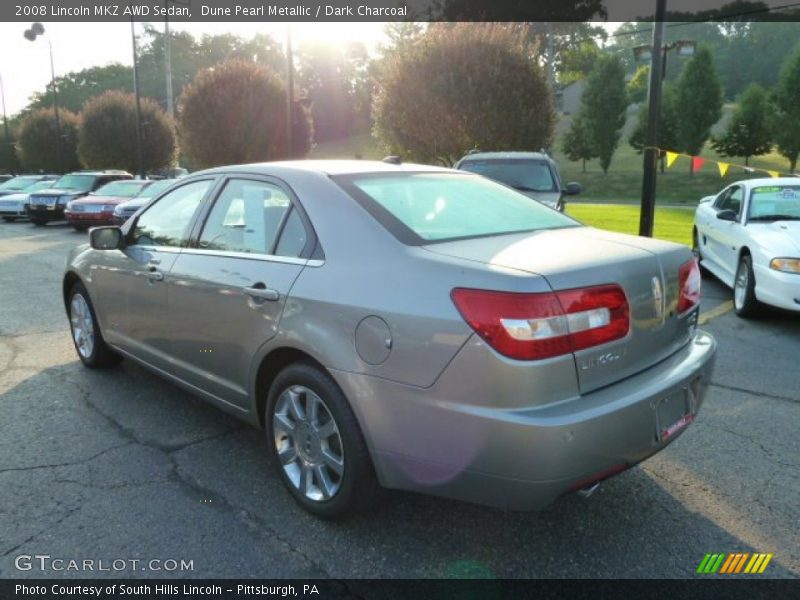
[[774, 174], [697, 163], [671, 158], [723, 168]]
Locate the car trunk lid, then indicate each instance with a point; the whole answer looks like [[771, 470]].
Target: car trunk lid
[[580, 257]]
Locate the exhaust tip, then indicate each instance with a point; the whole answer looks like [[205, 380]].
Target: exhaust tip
[[588, 491]]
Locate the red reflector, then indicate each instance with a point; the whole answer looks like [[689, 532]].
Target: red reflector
[[543, 325], [689, 281]]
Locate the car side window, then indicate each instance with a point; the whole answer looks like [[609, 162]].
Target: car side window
[[293, 237], [246, 217], [733, 200], [167, 222]]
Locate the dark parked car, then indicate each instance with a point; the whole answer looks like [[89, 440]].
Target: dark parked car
[[396, 324], [49, 205], [124, 210], [23, 183], [535, 174], [97, 208]]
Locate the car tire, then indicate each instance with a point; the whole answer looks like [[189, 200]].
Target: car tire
[[80, 228], [85, 330], [319, 453], [697, 252], [745, 302], [39, 222], [9, 219]]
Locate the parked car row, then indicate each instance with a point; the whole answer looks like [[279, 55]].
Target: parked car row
[[82, 198]]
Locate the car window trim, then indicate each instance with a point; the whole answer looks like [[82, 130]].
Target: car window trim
[[309, 250], [131, 223]]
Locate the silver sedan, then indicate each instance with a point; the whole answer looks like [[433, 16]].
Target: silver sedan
[[401, 326]]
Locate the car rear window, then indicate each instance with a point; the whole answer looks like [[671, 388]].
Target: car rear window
[[528, 175], [435, 207]]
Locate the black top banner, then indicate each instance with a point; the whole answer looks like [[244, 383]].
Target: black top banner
[[394, 10]]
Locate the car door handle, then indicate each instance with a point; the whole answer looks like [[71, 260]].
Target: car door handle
[[262, 293]]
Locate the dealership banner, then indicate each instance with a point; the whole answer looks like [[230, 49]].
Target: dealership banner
[[392, 10]]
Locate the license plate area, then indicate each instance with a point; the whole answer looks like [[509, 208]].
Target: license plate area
[[673, 413]]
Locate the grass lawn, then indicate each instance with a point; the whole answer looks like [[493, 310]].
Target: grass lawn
[[673, 224]]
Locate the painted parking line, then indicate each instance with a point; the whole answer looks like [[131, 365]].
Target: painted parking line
[[715, 312]]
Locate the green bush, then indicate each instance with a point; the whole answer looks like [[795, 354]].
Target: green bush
[[37, 141]]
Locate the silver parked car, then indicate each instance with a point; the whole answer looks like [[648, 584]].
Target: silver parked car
[[401, 326]]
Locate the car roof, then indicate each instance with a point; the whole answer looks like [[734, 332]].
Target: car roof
[[506, 156], [100, 173], [327, 167]]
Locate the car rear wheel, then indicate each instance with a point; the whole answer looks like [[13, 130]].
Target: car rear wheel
[[89, 343], [744, 295], [317, 445], [80, 227], [39, 222]]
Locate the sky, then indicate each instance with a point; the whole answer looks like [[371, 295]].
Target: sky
[[25, 66]]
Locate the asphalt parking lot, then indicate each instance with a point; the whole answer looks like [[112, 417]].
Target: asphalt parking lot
[[118, 464]]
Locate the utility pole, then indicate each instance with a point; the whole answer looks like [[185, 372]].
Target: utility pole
[[5, 126], [289, 92], [650, 161], [168, 64], [139, 155]]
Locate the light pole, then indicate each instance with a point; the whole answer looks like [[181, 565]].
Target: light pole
[[657, 54], [139, 155], [31, 34]]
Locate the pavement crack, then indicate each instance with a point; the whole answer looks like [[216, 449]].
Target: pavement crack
[[69, 513], [65, 464], [770, 453], [754, 392]]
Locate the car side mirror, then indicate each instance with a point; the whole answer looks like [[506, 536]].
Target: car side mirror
[[105, 238], [727, 215], [572, 189]]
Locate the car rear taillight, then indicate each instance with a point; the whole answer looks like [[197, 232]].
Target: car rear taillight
[[689, 283], [543, 325]]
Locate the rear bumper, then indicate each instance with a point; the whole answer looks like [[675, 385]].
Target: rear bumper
[[437, 440]]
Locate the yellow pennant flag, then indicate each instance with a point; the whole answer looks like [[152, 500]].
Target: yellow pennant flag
[[774, 174], [723, 168], [671, 158]]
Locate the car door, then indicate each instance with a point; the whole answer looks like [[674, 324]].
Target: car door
[[728, 233], [132, 282], [709, 226], [228, 292]]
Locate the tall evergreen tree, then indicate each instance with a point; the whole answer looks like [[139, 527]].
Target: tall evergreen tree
[[603, 104], [698, 102], [748, 133], [576, 144], [667, 125], [786, 119]]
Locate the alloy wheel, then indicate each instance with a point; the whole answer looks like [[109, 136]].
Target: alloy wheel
[[82, 325], [740, 285], [308, 443]]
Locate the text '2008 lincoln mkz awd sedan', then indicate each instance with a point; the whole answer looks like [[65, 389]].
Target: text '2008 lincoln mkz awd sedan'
[[401, 326]]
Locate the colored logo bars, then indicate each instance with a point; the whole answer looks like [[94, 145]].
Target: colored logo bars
[[734, 563]]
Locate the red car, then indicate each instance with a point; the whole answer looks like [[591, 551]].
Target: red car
[[98, 207]]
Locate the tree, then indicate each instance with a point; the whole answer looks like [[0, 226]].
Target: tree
[[575, 63], [235, 112], [748, 133], [462, 86], [577, 144], [8, 154], [786, 119], [37, 141], [667, 125], [107, 134], [603, 104], [698, 102]]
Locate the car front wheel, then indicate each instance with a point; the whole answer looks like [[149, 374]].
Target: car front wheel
[[89, 343], [317, 445], [744, 289]]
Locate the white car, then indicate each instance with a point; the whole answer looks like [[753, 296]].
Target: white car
[[15, 206], [748, 236]]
